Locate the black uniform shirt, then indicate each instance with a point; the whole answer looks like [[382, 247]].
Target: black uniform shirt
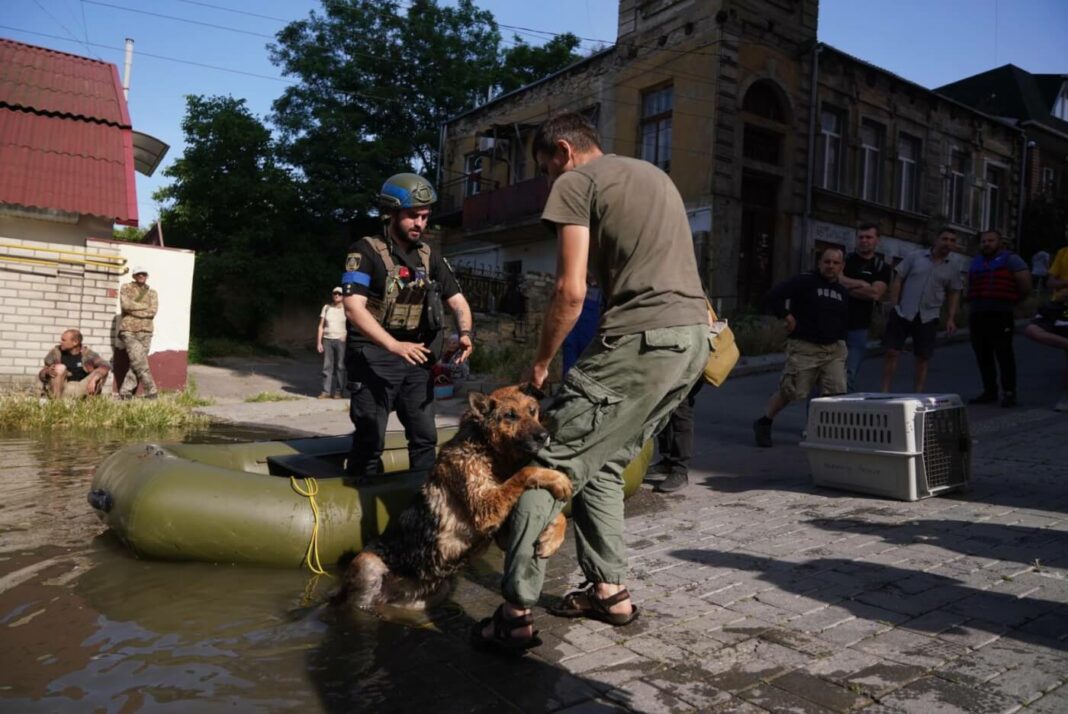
[[870, 270], [818, 306], [365, 274]]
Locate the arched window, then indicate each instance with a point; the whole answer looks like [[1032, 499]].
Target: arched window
[[763, 100]]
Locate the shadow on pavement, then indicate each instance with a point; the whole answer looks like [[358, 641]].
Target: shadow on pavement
[[907, 593], [1019, 544]]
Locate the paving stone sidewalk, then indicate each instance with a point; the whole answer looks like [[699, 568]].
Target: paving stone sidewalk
[[760, 592]]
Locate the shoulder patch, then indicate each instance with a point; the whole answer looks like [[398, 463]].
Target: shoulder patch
[[352, 262]]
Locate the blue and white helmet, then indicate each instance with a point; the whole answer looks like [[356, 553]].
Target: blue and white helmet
[[406, 191]]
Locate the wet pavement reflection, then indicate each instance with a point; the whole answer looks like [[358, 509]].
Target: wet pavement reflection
[[86, 626]]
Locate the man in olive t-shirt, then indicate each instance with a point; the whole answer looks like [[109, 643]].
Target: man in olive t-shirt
[[622, 219]]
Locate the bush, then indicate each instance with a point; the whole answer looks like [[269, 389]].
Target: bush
[[201, 350]]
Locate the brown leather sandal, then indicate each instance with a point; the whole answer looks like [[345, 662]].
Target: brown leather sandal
[[582, 602], [502, 641]]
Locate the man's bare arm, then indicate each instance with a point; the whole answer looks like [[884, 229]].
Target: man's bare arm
[[565, 306]]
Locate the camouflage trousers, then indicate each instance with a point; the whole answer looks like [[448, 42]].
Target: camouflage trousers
[[619, 395], [137, 345]]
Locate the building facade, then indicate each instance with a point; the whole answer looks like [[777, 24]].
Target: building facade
[[778, 144]]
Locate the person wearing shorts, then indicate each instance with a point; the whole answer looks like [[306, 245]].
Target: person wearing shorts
[[1050, 325], [923, 282], [816, 311]]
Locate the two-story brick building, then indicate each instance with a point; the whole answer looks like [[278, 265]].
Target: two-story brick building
[[777, 143]]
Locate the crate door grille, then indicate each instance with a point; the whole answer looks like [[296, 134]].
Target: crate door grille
[[944, 455], [863, 427]]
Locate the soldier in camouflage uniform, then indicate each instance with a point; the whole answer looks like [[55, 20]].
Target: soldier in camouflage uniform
[[139, 306], [72, 370]]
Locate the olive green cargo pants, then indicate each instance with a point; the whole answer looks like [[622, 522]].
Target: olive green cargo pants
[[620, 393]]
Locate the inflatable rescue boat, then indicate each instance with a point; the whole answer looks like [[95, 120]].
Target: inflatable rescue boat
[[275, 503]]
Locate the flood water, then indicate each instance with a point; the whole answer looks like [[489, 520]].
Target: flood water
[[85, 626]]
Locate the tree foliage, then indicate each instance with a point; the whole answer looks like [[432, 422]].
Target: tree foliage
[[269, 209], [523, 63], [374, 87]]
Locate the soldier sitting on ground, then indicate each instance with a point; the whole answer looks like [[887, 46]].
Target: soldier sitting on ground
[[72, 370]]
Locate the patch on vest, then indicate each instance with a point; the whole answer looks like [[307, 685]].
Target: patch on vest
[[352, 262]]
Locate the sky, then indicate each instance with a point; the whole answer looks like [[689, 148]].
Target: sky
[[221, 47]]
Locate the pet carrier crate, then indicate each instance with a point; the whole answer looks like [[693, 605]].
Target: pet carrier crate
[[901, 446]]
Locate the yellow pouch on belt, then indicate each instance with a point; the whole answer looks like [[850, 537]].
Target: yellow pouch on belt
[[725, 352]]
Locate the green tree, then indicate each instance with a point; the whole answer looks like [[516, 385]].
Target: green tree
[[374, 87], [523, 63], [233, 203]]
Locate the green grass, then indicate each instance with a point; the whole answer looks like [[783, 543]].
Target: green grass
[[271, 397], [22, 412]]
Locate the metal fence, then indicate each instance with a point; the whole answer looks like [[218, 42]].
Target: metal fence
[[490, 291]]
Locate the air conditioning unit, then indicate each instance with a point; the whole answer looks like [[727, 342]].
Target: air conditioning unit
[[900, 446], [488, 145]]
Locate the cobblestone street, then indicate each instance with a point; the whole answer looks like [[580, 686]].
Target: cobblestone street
[[762, 592]]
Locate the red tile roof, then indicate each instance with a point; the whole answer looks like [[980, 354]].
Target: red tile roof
[[66, 141]]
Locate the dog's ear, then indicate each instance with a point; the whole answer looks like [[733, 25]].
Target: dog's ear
[[481, 404], [530, 390]]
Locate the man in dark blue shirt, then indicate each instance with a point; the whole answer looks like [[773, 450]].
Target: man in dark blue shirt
[[817, 317]]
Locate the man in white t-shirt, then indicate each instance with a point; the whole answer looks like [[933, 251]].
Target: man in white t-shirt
[[331, 345]]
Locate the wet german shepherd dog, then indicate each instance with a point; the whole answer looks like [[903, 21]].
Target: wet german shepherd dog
[[477, 479]]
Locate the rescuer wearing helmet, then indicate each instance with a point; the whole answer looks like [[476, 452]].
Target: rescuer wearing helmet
[[394, 287]]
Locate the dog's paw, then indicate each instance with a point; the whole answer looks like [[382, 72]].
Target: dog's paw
[[552, 537], [554, 482]]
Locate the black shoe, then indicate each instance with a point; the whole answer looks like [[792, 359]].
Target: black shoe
[[984, 398], [154, 395], [1009, 400], [762, 432], [673, 482]]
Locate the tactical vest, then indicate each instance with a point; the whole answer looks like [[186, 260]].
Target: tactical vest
[[401, 306]]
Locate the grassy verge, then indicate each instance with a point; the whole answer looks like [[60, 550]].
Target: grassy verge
[[507, 363], [22, 412], [271, 397]]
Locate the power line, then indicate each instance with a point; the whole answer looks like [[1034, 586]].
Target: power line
[[179, 19], [58, 22]]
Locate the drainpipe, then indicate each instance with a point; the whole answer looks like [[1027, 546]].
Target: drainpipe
[[126, 69], [813, 104]]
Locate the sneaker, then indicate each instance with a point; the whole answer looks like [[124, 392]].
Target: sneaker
[[984, 398], [673, 482], [323, 395], [337, 396], [762, 432], [154, 395], [1008, 399]]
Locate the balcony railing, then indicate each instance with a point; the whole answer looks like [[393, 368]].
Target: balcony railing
[[506, 204]]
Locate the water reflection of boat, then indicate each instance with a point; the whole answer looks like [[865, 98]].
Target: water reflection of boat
[[235, 503]]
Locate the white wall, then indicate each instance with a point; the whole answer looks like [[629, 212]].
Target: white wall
[[170, 274]]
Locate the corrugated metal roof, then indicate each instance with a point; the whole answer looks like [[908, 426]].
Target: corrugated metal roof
[[65, 135]]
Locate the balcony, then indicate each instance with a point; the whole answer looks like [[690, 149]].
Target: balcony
[[508, 204]]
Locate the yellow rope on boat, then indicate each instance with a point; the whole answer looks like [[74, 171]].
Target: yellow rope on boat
[[311, 490]]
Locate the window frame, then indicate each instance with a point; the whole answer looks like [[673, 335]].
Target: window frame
[[661, 123], [957, 202], [473, 175], [822, 143], [870, 160], [907, 196], [999, 204]]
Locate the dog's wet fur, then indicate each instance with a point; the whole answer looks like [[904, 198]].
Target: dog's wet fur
[[477, 478]]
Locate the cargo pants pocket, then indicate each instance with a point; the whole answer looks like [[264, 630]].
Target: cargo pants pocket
[[581, 407]]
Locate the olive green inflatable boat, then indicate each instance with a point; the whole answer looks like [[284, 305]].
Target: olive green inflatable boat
[[277, 503]]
